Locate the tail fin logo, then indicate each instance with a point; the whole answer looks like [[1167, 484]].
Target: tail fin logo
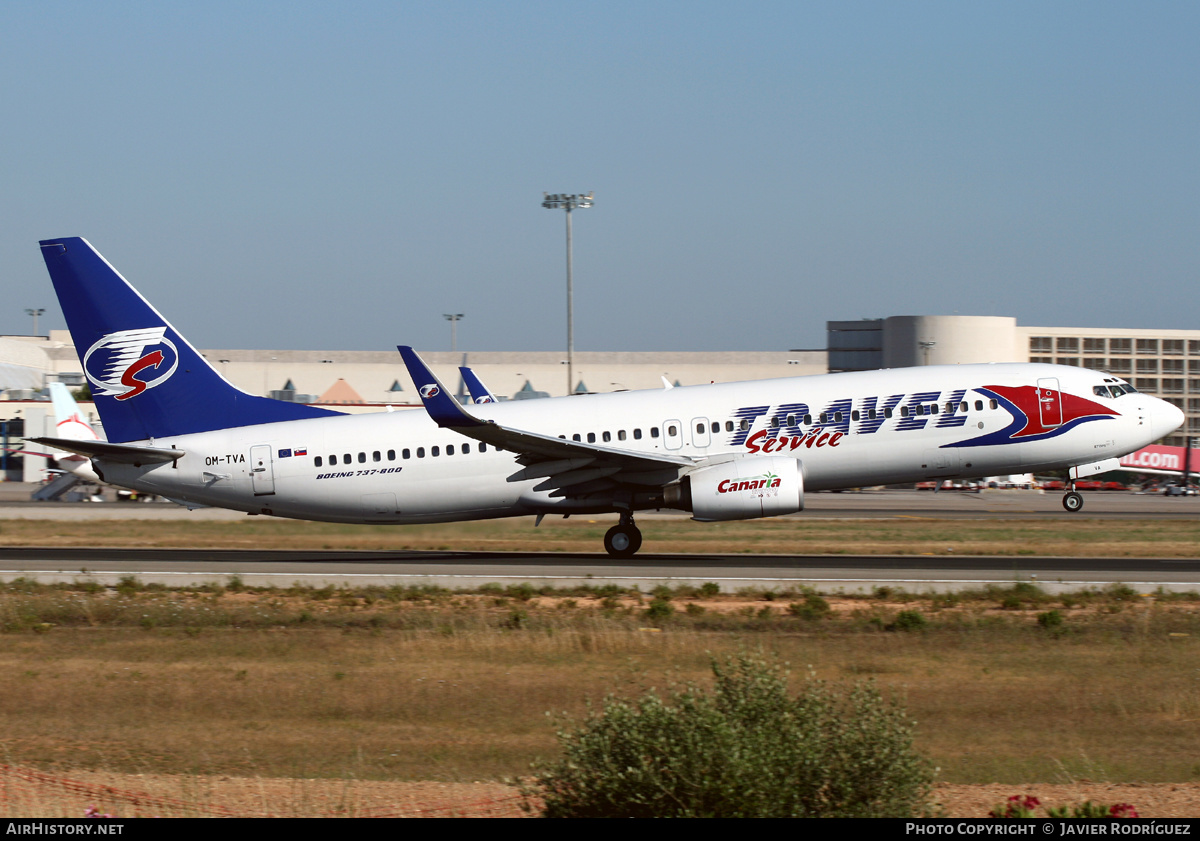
[[126, 363], [428, 391]]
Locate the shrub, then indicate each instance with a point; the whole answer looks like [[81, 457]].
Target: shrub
[[659, 610], [1050, 620], [743, 749], [908, 620], [812, 608]]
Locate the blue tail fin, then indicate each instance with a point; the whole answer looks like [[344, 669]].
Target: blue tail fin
[[146, 380], [479, 391]]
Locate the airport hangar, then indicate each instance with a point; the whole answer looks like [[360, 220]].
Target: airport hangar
[[1164, 363]]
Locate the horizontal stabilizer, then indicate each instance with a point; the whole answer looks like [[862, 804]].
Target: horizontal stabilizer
[[119, 453]]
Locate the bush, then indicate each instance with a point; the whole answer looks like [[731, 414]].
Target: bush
[[908, 620], [812, 608], [743, 749]]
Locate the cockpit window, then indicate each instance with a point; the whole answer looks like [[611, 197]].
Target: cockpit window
[[1116, 389], [1100, 390]]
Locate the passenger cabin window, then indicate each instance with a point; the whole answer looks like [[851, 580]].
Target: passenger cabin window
[[449, 449], [362, 458], [406, 453], [377, 456], [332, 460], [466, 449], [672, 431], [483, 448], [716, 427], [420, 452], [637, 435], [317, 461], [591, 438], [391, 455], [620, 434], [606, 437], [435, 451], [654, 432]]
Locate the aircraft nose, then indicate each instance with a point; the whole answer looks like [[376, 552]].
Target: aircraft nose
[[1165, 418]]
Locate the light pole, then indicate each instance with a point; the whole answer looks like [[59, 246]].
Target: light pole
[[35, 313], [568, 203], [453, 318]]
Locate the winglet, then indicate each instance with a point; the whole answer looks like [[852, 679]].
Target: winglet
[[439, 402], [479, 392]]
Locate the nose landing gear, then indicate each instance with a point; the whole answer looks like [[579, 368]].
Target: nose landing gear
[[1072, 500]]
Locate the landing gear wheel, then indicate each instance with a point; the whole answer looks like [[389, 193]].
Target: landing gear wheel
[[1072, 502], [623, 541]]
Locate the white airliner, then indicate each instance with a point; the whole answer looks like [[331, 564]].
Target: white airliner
[[68, 424], [726, 451]]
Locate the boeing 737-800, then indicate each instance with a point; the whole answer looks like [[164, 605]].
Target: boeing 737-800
[[724, 451]]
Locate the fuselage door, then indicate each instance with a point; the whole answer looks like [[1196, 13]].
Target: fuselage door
[[1049, 402], [700, 434], [262, 471], [672, 434]]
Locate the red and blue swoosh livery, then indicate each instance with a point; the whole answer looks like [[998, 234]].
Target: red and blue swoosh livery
[[1025, 404]]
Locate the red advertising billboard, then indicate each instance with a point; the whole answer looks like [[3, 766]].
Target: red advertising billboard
[[1160, 459]]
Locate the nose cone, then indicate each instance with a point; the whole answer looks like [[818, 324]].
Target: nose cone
[[1165, 418]]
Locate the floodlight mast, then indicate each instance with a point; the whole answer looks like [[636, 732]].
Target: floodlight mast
[[453, 318], [568, 202]]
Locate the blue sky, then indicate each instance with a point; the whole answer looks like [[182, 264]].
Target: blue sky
[[338, 176]]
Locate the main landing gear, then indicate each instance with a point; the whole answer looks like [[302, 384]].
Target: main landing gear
[[624, 539], [1072, 500]]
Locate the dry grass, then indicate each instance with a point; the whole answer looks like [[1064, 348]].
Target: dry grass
[[339, 685], [869, 536]]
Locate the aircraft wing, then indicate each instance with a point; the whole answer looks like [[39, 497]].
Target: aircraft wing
[[563, 464]]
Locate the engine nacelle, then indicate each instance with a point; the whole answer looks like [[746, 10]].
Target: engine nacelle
[[742, 489]]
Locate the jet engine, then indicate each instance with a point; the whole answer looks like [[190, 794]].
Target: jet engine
[[741, 489]]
